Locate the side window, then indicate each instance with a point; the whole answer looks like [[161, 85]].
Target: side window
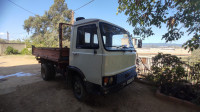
[[87, 37], [104, 39], [95, 39]]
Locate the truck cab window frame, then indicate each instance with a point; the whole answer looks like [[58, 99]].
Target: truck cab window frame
[[87, 37], [112, 38]]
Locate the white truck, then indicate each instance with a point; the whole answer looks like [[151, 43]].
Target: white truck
[[101, 58]]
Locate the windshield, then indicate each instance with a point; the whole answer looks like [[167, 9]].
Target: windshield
[[115, 38]]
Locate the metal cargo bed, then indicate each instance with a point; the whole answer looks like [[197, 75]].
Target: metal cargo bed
[[60, 55]]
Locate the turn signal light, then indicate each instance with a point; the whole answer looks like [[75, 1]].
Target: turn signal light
[[105, 80], [108, 81]]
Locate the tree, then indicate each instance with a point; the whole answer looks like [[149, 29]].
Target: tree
[[16, 41], [45, 28], [28, 42], [195, 57], [177, 15]]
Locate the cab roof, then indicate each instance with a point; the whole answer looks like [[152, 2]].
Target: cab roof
[[86, 21]]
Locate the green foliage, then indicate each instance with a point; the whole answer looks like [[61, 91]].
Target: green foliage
[[150, 77], [177, 15], [168, 73], [25, 51], [195, 72], [193, 43], [195, 57], [11, 50], [2, 41], [45, 28], [16, 41], [28, 42], [167, 68], [182, 91]]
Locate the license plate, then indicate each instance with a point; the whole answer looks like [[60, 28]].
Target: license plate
[[130, 80]]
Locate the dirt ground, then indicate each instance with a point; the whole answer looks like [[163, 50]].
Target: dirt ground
[[14, 64], [32, 94]]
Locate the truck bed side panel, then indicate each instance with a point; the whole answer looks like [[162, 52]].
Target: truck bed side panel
[[53, 54]]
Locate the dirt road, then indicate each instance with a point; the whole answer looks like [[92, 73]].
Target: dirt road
[[31, 94]]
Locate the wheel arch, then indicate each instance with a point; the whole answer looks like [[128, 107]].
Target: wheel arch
[[72, 69]]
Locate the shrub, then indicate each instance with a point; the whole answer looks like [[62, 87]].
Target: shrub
[[179, 90], [168, 73], [25, 51], [167, 68], [150, 77], [11, 50]]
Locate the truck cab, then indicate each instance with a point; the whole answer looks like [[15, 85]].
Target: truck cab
[[100, 59], [99, 51]]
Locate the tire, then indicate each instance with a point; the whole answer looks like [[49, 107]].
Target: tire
[[53, 72], [68, 79], [47, 72], [79, 89]]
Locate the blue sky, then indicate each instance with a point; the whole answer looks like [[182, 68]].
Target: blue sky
[[12, 17]]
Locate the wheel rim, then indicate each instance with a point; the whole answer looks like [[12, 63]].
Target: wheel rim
[[77, 89]]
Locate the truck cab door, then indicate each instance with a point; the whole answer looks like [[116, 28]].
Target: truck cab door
[[86, 53]]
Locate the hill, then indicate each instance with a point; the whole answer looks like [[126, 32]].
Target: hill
[[160, 45]]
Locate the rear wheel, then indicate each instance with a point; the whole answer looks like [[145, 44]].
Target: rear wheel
[[47, 72], [79, 90]]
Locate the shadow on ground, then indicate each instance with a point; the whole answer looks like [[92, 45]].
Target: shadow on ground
[[27, 68], [53, 96]]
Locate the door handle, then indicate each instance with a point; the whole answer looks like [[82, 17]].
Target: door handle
[[95, 51], [74, 53]]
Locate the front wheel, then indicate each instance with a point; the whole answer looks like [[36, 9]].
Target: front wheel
[[79, 90]]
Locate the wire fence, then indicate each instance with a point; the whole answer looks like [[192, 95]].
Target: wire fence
[[192, 69]]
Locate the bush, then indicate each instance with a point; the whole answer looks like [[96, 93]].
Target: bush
[[150, 77], [180, 90], [25, 51], [167, 69], [11, 50], [168, 73]]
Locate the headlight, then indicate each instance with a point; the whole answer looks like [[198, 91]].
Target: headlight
[[110, 80]]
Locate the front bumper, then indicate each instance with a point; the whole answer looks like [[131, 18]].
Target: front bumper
[[122, 79]]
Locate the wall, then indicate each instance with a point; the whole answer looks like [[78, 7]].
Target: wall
[[124, 41], [151, 52], [145, 56], [18, 46]]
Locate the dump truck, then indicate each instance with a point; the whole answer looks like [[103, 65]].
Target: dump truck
[[97, 60]]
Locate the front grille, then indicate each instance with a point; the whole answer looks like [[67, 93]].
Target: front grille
[[125, 75]]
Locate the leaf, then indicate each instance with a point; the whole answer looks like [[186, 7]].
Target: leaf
[[184, 13], [46, 26]]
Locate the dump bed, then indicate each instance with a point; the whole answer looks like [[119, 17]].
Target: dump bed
[[60, 55]]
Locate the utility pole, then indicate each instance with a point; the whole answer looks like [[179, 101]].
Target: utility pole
[[72, 19], [7, 37]]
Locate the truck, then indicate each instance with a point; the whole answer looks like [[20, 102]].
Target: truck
[[100, 59]]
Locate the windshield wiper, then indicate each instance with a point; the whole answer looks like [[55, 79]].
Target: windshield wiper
[[119, 46], [111, 46], [123, 46]]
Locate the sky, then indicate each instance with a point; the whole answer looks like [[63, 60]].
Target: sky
[[12, 17]]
